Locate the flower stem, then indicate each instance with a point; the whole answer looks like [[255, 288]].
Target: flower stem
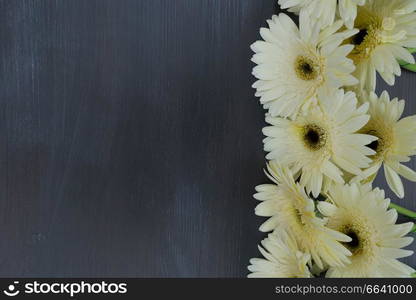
[[410, 67], [403, 211], [406, 65]]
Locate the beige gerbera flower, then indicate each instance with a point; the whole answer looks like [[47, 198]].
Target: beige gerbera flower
[[290, 209], [323, 142], [282, 258], [396, 140], [385, 28], [294, 63], [376, 240]]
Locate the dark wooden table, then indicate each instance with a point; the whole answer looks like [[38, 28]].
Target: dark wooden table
[[130, 138]]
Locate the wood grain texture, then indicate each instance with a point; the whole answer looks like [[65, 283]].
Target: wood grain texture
[[130, 137]]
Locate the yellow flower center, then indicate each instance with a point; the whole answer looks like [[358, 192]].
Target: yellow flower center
[[307, 68], [369, 36], [298, 216], [385, 135], [362, 242], [314, 136]]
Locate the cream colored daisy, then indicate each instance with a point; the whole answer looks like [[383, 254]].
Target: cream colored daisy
[[325, 10], [293, 64], [290, 209], [385, 28], [323, 142], [396, 140], [362, 214], [282, 258]]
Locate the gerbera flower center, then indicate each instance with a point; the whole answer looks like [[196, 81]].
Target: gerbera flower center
[[361, 239], [369, 36], [314, 137], [376, 145], [298, 216], [384, 141], [306, 68], [359, 37], [354, 245]]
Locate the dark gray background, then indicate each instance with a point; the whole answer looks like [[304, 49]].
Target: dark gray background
[[130, 138]]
